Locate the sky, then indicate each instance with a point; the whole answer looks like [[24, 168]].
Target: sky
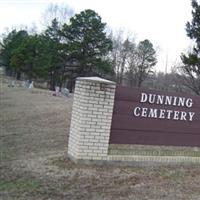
[[160, 21]]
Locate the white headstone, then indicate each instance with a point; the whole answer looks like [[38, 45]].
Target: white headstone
[[57, 90], [65, 92], [31, 85]]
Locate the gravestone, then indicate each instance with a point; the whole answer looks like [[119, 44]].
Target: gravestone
[[65, 92], [31, 85]]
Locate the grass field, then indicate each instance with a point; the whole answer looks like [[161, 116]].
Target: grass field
[[34, 129]]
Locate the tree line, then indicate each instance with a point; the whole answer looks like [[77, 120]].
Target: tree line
[[82, 46]]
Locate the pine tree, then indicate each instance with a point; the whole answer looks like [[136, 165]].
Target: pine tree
[[55, 55], [9, 44], [191, 68], [87, 44]]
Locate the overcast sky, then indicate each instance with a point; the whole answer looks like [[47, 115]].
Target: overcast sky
[[160, 21]]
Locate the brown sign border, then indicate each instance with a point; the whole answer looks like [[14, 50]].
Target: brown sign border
[[129, 129]]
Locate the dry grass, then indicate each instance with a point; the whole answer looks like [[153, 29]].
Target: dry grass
[[33, 146]]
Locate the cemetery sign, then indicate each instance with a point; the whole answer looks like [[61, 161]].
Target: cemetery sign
[[155, 118]]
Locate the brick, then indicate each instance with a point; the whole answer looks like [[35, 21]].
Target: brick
[[92, 115], [93, 108], [89, 136], [90, 122]]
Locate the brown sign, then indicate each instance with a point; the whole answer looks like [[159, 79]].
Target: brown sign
[[155, 118]]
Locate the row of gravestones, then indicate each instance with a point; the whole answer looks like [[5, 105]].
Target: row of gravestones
[[30, 84], [24, 84]]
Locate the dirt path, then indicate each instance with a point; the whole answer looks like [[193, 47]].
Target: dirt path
[[33, 146]]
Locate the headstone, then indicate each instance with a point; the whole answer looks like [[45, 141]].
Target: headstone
[[23, 84], [11, 83], [57, 90], [31, 85], [65, 92], [27, 84]]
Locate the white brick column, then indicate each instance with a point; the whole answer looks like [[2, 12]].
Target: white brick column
[[91, 119]]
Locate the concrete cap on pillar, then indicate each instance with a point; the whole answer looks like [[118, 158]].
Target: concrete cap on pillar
[[96, 79]]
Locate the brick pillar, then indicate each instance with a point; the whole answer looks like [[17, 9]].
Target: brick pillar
[[91, 119]]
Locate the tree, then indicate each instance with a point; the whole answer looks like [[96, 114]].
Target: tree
[[132, 63], [30, 57], [56, 61], [122, 50], [80, 48], [36, 56], [141, 63], [191, 67], [41, 56], [9, 45], [86, 45]]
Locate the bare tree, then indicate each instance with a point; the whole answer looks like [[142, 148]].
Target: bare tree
[[60, 12], [122, 50], [140, 63], [189, 78]]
